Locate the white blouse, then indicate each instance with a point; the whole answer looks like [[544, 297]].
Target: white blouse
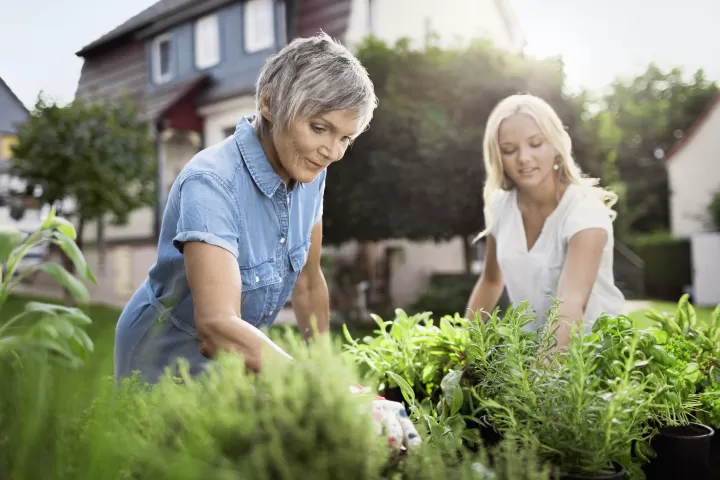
[[533, 275]]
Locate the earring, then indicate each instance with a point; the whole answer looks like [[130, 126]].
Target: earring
[[556, 167]]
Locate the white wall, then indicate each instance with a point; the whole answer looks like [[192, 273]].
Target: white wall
[[223, 115], [694, 175], [450, 19], [706, 269]]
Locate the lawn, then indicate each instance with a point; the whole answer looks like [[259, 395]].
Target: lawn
[[703, 313]]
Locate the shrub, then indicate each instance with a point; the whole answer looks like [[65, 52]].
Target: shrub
[[448, 294], [667, 264]]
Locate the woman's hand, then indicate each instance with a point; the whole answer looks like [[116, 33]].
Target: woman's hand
[[391, 419]]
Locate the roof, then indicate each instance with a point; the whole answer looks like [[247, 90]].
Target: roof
[[142, 19], [12, 95], [158, 102], [690, 133]]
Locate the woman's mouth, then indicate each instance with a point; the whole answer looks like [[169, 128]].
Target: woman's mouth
[[314, 164], [527, 171]]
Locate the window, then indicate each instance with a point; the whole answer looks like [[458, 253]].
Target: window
[[162, 58], [207, 42], [259, 25]]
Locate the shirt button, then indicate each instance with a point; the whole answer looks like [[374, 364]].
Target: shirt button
[[282, 240], [271, 312], [257, 279]]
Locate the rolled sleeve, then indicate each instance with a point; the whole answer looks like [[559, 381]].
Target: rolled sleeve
[[208, 213]]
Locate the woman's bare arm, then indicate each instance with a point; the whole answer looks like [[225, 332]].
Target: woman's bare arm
[[214, 280], [489, 286], [576, 282]]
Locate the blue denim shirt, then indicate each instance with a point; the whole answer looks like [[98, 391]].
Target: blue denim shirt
[[228, 195]]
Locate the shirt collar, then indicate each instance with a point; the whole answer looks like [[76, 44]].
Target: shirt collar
[[262, 173]]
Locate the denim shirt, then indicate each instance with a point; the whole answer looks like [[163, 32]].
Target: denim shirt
[[228, 195]]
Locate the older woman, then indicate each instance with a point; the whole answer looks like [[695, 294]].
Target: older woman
[[242, 230]]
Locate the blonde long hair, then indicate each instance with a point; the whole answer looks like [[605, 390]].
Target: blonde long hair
[[552, 128]]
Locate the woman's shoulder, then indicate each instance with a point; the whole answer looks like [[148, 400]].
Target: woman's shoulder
[[219, 162]]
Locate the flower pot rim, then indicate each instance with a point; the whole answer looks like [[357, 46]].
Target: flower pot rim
[[619, 470], [709, 431]]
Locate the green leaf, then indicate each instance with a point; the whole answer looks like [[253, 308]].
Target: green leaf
[[68, 245], [9, 241], [75, 315], [405, 387], [457, 401], [67, 281], [49, 219], [64, 226]]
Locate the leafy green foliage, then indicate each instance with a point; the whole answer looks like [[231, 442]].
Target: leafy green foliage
[[42, 327], [424, 144], [98, 154], [411, 347], [639, 120]]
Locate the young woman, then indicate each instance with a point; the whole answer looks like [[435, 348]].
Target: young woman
[[549, 230]]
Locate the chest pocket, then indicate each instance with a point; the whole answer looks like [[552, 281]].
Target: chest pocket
[[298, 256], [257, 282]]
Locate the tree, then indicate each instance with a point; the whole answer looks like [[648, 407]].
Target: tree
[[99, 155], [638, 123], [418, 173]]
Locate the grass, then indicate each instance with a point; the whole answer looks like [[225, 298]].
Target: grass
[[703, 313]]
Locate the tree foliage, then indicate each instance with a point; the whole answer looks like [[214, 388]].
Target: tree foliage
[[99, 155], [418, 173], [640, 120]]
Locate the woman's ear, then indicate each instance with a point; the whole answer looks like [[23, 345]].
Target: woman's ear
[[265, 109]]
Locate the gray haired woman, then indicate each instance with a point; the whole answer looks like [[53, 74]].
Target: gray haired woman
[[242, 230]]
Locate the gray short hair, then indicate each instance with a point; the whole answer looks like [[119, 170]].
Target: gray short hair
[[309, 77]]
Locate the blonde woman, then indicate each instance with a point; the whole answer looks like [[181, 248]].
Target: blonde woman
[[549, 230]]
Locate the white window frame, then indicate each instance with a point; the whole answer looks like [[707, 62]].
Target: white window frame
[[207, 42], [258, 25], [158, 76]]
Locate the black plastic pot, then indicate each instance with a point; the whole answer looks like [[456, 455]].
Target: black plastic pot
[[681, 452], [488, 434], [619, 474]]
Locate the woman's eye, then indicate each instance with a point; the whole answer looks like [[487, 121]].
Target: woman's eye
[[318, 129], [508, 152]]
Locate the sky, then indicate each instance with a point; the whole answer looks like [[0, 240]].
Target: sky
[[599, 40]]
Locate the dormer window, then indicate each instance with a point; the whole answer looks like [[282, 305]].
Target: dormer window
[[162, 51], [259, 25], [207, 42]]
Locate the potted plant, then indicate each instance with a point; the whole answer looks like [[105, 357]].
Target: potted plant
[[683, 447], [584, 423]]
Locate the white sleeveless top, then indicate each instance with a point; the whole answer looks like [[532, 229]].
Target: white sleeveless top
[[533, 275]]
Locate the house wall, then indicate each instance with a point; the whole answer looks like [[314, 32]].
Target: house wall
[[122, 272], [220, 117], [106, 76], [12, 112], [694, 175], [237, 69]]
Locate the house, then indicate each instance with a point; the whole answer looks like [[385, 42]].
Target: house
[[12, 114], [693, 167], [192, 64]]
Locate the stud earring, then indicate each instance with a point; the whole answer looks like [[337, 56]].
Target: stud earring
[[556, 167]]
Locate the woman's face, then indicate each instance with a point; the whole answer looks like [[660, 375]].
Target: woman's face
[[527, 156], [309, 146]]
